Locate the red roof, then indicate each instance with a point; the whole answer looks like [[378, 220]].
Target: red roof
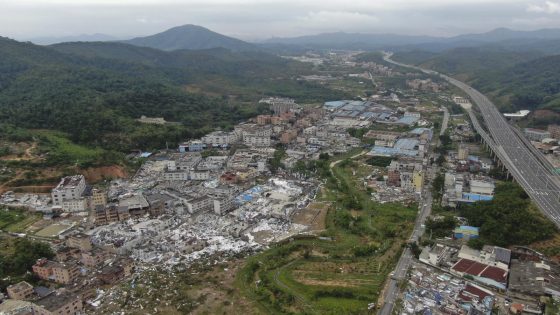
[[495, 274], [476, 291], [462, 265], [480, 270]]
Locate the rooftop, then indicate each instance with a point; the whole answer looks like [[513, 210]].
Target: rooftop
[[54, 301]]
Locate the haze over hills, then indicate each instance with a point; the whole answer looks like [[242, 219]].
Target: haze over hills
[[403, 42], [190, 37], [49, 40]]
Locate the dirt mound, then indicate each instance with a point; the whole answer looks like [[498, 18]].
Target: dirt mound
[[97, 174]]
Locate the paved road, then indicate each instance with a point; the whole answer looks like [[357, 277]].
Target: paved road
[[392, 291], [445, 120], [524, 163]]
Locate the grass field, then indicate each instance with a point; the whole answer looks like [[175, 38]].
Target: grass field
[[343, 270], [17, 221], [60, 149], [53, 230]]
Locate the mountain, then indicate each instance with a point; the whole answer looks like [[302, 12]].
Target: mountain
[[545, 40], [94, 91], [512, 79], [49, 40], [505, 34], [341, 40], [191, 37]]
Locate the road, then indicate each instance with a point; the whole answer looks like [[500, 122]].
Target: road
[[523, 163], [392, 290], [445, 121]]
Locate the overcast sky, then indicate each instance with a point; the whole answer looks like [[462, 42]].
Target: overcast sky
[[260, 19]]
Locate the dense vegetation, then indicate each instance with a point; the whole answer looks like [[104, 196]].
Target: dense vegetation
[[94, 91], [514, 79], [509, 218], [16, 258]]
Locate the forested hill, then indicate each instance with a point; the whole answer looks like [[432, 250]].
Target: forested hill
[[191, 37], [514, 80], [95, 94]]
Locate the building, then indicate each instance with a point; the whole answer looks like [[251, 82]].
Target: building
[[199, 204], [67, 253], [20, 291], [534, 278], [288, 136], [263, 120], [111, 274], [176, 175], [151, 120], [554, 131], [98, 198], [219, 139], [63, 273], [463, 152], [192, 146], [94, 257], [199, 175], [59, 303], [536, 134], [81, 241], [482, 187], [223, 205], [69, 194]]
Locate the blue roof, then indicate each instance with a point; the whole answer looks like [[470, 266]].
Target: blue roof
[[335, 104], [419, 131], [477, 197], [145, 154], [406, 144], [408, 120], [468, 228], [385, 151]]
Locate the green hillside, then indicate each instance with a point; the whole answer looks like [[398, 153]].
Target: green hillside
[[512, 79], [94, 92], [191, 37]]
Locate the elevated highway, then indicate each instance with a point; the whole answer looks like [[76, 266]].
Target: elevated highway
[[527, 165]]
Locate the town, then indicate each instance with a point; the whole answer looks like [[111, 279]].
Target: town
[[237, 192]]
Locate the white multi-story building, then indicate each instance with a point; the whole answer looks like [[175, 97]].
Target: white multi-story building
[[199, 175], [199, 204], [176, 175], [220, 138], [68, 194]]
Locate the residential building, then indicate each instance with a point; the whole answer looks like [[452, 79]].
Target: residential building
[[111, 274], [223, 205], [63, 273], [59, 303], [98, 198], [463, 152], [20, 291], [94, 257], [219, 138], [536, 134], [199, 204], [554, 131], [68, 194], [151, 120], [177, 175], [199, 175], [79, 240]]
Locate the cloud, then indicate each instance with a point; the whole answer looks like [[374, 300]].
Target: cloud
[[336, 21], [549, 7]]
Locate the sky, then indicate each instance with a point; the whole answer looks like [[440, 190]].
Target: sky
[[255, 20]]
